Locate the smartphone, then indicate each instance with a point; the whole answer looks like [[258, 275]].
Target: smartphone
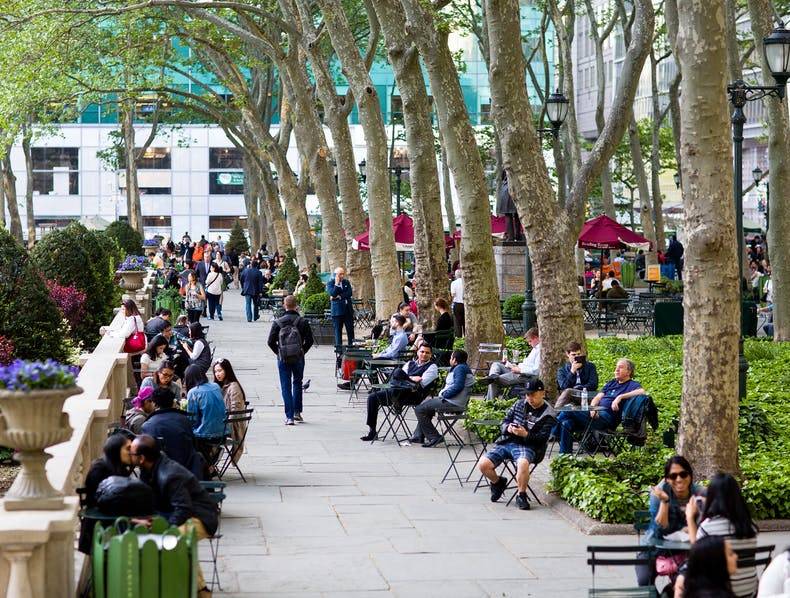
[[580, 359]]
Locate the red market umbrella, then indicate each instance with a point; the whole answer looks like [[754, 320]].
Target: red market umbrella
[[498, 227], [604, 233], [403, 230]]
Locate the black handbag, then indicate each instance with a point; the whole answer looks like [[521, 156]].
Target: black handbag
[[119, 495]]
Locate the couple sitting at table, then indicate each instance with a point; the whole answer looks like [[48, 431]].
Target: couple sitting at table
[[412, 384]]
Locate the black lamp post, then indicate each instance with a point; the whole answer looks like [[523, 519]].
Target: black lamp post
[[398, 170], [776, 50], [556, 111], [757, 174]]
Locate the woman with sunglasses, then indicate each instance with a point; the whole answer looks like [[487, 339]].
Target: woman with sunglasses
[[668, 502]]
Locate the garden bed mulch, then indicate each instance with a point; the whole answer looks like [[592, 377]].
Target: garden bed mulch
[[7, 475]]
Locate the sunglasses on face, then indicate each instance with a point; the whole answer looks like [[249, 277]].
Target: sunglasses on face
[[681, 474]]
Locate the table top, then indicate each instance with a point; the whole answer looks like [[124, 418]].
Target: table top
[[571, 408], [674, 545]]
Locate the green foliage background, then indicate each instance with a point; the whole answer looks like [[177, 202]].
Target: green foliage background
[[316, 304], [287, 272], [27, 315], [86, 259], [237, 240], [128, 239]]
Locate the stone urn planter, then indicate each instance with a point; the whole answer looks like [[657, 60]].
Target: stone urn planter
[[131, 280], [30, 422]]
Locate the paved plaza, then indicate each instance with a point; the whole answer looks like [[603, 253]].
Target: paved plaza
[[324, 514]]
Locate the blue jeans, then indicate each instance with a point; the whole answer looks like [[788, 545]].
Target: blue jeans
[[251, 307], [291, 375], [577, 420]]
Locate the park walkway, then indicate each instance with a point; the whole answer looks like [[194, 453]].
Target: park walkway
[[324, 514]]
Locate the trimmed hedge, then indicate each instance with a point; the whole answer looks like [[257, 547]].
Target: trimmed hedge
[[128, 239], [512, 307], [76, 256], [28, 316], [316, 304]]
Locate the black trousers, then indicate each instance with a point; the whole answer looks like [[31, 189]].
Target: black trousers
[[459, 319], [387, 397]]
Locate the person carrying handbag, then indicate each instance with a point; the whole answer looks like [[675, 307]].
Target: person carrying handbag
[[215, 283], [131, 329]]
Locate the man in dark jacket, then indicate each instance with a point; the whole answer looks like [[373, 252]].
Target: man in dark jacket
[[291, 366], [178, 495], [174, 429], [525, 433], [251, 288], [157, 324], [674, 255], [340, 293], [575, 375]]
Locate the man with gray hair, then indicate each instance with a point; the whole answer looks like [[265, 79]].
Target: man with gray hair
[[457, 294], [342, 310], [621, 388]]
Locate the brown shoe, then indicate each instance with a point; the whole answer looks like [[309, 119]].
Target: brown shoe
[[204, 593]]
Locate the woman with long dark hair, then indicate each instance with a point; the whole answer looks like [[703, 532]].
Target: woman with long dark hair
[[116, 460], [711, 562], [154, 356], [199, 353], [214, 281], [235, 400], [194, 297], [725, 514]]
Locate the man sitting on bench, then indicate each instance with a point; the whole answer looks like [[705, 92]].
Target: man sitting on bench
[[525, 433]]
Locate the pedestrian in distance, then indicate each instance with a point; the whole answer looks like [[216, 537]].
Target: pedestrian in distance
[[290, 338], [342, 309]]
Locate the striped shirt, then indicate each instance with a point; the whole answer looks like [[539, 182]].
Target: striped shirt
[[744, 581]]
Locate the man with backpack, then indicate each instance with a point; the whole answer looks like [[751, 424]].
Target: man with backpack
[[290, 338]]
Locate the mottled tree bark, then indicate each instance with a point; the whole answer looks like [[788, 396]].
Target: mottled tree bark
[[778, 177], [382, 241], [279, 236], [645, 206], [709, 406], [481, 296], [133, 206], [430, 278], [655, 154], [252, 191], [9, 186], [27, 134]]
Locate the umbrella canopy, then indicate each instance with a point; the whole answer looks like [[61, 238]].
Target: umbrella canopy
[[402, 229], [604, 233], [498, 227]]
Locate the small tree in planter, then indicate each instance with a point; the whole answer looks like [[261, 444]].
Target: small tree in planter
[[238, 240], [313, 286], [128, 239], [316, 304], [287, 274], [32, 394], [512, 309]]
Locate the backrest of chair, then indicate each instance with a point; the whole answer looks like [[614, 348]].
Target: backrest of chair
[[759, 556], [241, 415], [487, 353], [642, 556], [641, 522]]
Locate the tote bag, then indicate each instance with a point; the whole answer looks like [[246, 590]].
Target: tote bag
[[135, 343]]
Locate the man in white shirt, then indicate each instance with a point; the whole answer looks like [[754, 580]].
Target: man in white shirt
[[508, 374], [457, 293], [607, 282]]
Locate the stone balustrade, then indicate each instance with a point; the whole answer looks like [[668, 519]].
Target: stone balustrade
[[38, 547]]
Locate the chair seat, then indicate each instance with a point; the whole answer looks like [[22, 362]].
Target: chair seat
[[637, 592]]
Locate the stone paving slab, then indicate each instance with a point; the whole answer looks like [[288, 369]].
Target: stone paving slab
[[326, 515]]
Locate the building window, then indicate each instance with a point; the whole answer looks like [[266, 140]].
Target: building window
[[225, 157], [155, 191], [54, 222], [56, 170], [226, 222], [157, 221], [225, 183], [155, 158]]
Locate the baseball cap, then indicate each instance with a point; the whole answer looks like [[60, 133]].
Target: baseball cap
[[534, 385]]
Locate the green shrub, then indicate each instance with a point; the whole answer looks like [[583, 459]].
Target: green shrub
[[28, 316], [128, 239], [87, 260], [316, 304], [481, 409], [237, 240], [313, 286], [512, 307], [287, 274]]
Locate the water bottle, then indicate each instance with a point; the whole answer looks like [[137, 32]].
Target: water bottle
[[585, 403]]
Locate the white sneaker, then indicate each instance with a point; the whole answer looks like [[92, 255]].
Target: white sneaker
[[289, 422]]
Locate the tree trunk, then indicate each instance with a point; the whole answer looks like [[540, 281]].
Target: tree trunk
[[2, 197], [430, 278], [565, 33], [645, 207], [731, 35], [547, 225], [133, 206], [447, 193], [281, 238], [481, 296], [711, 294], [778, 178], [252, 191], [382, 241], [336, 113], [27, 134], [9, 184], [655, 155], [311, 141]]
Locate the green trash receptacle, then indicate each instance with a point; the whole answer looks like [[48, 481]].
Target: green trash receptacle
[[667, 318], [138, 562]]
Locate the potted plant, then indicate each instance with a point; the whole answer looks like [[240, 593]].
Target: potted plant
[[32, 394], [132, 272], [150, 245]]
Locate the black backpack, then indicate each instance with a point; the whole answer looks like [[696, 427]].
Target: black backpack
[[290, 339]]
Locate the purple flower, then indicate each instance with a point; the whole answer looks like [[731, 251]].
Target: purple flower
[[133, 263], [24, 375]]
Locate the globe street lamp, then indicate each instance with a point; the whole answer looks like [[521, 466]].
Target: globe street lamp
[[776, 50], [556, 111], [757, 175]]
